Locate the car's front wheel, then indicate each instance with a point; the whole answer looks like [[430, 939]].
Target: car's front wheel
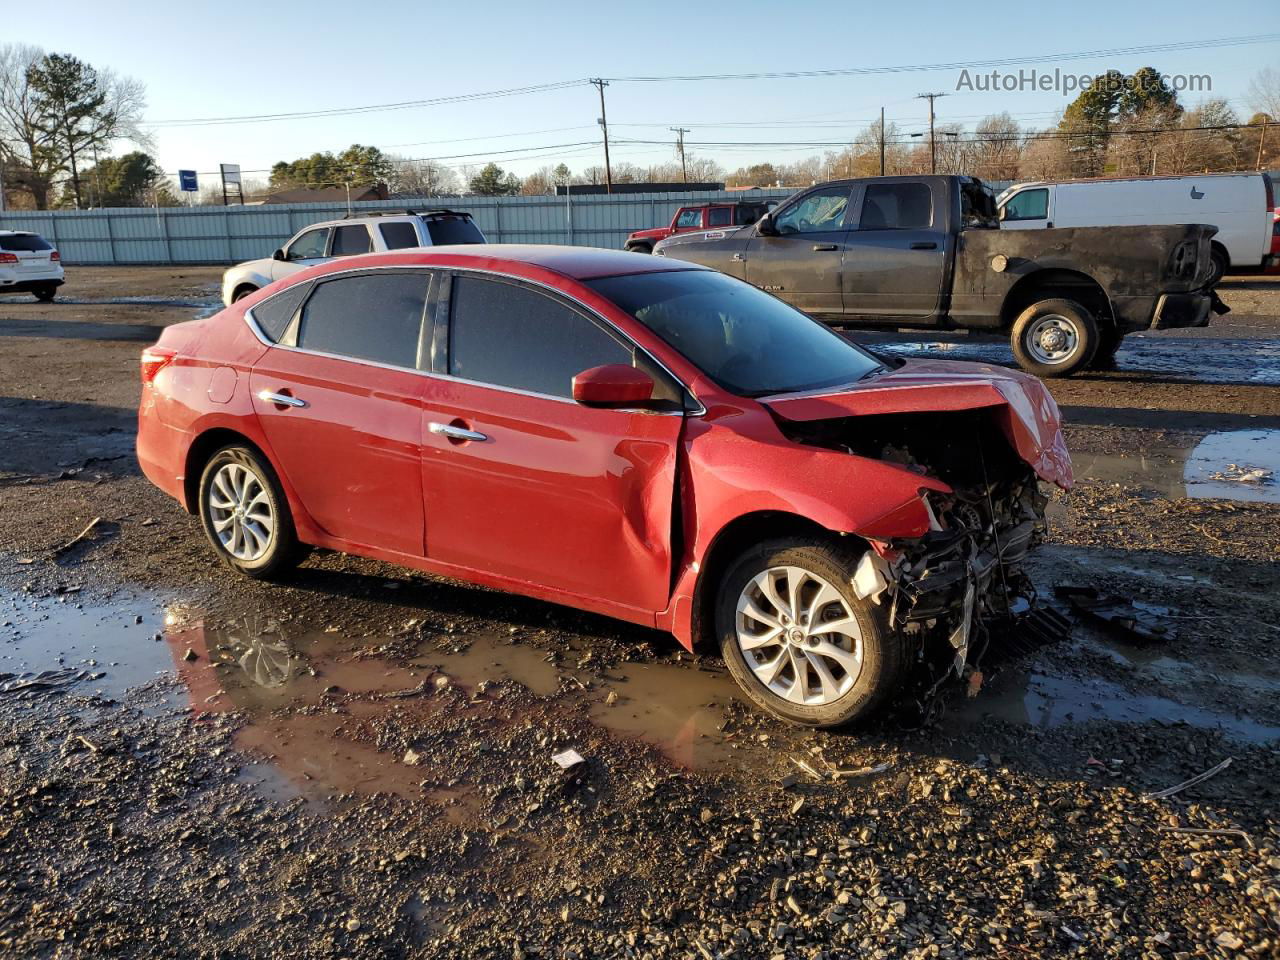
[[243, 291], [246, 516], [799, 641], [639, 248], [1054, 338]]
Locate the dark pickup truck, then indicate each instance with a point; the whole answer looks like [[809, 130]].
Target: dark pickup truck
[[928, 252]]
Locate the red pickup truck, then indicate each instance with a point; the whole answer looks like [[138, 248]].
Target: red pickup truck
[[705, 217]]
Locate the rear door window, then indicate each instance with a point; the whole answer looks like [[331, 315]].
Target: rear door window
[[507, 335], [1027, 205], [374, 316], [897, 206], [719, 216], [24, 243], [350, 240], [399, 235], [446, 230]]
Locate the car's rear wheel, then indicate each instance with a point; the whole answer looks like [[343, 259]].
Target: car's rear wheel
[[1054, 338], [243, 291], [246, 516], [799, 641], [46, 292]]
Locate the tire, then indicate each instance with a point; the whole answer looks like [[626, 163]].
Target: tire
[[1109, 342], [261, 542], [1218, 259], [45, 294], [639, 248], [854, 688], [242, 292], [1055, 338]]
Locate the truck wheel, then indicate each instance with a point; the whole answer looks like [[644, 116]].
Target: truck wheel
[[1054, 338], [798, 640], [639, 248], [1218, 259]]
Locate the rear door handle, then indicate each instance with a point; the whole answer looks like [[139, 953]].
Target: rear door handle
[[283, 399], [924, 245], [455, 433], [825, 246], [738, 257]]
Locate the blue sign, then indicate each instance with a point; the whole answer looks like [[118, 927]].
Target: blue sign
[[187, 180]]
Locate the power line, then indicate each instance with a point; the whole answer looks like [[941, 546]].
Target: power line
[[966, 65]]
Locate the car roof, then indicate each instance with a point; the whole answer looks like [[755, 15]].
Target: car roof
[[577, 263]]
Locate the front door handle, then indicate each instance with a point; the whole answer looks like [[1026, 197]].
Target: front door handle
[[924, 245], [282, 399], [825, 246], [455, 433]]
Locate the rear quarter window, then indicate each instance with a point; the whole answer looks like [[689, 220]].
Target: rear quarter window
[[273, 314], [446, 230]]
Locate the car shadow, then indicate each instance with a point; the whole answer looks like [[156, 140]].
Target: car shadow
[[80, 330]]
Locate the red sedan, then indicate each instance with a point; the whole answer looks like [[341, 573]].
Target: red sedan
[[642, 438]]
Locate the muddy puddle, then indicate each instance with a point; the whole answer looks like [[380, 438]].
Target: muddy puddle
[[314, 707], [1239, 465]]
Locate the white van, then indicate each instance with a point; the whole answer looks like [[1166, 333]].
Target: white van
[[1238, 204]]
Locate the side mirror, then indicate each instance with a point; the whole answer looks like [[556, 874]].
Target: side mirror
[[1004, 211], [766, 227], [613, 385], [278, 255]]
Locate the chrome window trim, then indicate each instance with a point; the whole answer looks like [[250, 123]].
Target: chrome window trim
[[252, 323]]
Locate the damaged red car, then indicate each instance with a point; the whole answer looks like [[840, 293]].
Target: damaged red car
[[645, 439]]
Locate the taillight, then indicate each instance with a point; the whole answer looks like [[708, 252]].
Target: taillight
[[55, 256], [155, 359], [8, 258]]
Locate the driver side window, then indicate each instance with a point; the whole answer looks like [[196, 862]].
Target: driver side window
[[820, 212], [310, 245]]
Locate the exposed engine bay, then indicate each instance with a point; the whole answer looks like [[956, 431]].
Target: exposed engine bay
[[947, 588]]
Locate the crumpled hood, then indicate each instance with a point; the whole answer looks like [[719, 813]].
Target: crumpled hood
[[1027, 412]]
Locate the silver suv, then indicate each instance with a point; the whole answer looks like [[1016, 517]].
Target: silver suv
[[355, 233]]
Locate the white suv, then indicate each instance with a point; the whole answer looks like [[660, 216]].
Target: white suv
[[29, 263], [357, 233]]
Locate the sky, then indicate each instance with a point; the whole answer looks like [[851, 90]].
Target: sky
[[217, 60]]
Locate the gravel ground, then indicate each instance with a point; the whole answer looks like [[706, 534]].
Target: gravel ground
[[357, 763]]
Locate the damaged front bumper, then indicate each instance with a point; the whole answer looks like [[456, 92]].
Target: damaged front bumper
[[943, 587]]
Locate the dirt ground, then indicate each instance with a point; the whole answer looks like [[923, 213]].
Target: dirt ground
[[357, 763]]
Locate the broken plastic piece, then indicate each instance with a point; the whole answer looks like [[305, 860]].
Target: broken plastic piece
[[1118, 614], [871, 578]]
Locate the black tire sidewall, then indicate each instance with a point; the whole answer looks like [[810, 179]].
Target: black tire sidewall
[[640, 248], [882, 656], [284, 551], [243, 292], [45, 294], [1219, 261], [1086, 324]]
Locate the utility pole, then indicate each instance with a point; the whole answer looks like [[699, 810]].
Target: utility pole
[[882, 141], [680, 132], [599, 83], [1262, 138], [933, 146]]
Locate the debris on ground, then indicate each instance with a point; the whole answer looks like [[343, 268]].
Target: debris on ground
[[1198, 778], [1238, 474], [1117, 614], [568, 759]]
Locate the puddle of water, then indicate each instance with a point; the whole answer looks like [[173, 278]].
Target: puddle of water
[[1197, 471], [1047, 702], [489, 658], [679, 709], [114, 644]]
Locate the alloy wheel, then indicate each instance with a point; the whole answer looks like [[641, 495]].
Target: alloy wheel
[[241, 513], [798, 636]]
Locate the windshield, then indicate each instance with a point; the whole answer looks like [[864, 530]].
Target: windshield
[[446, 230], [747, 341]]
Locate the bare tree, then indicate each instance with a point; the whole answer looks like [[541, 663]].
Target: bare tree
[[1264, 93], [27, 149], [425, 178]]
